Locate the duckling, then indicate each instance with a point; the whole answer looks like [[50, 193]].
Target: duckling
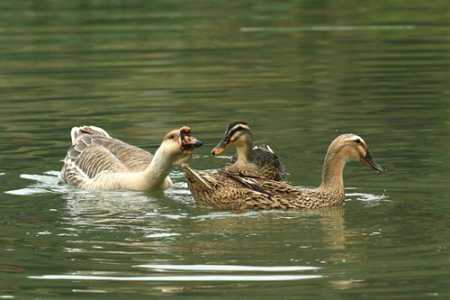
[[96, 161], [255, 161], [226, 190]]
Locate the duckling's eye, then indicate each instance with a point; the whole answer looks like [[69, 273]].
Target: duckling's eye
[[172, 136], [358, 141]]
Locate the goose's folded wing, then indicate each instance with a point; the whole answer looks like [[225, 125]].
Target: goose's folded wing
[[134, 158], [86, 163]]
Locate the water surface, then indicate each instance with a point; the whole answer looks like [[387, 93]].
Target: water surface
[[300, 73]]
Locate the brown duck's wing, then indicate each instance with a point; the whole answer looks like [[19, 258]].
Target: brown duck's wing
[[291, 197], [276, 196], [134, 158], [279, 188], [247, 181], [268, 164], [268, 187], [248, 193], [260, 193], [250, 170], [228, 190]]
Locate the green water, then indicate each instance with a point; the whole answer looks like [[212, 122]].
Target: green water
[[300, 72]]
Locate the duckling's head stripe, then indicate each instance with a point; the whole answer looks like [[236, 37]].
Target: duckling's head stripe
[[235, 126]]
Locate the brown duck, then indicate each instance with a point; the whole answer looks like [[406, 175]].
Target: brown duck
[[250, 160], [226, 190]]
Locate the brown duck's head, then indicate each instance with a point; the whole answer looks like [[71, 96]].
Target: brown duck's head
[[236, 133], [352, 147], [179, 143]]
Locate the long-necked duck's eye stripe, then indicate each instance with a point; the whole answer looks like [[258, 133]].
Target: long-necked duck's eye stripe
[[359, 140]]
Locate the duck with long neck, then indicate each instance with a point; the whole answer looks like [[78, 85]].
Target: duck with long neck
[[346, 147], [333, 172], [232, 191], [259, 161]]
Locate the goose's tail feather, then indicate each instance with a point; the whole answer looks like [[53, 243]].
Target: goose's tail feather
[[76, 132]]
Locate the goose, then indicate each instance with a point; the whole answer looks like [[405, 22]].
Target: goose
[[97, 161], [228, 190]]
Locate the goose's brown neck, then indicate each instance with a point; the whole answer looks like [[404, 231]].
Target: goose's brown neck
[[332, 173]]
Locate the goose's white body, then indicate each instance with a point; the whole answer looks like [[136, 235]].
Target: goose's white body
[[96, 161]]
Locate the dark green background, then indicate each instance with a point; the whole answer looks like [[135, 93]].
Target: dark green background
[[300, 72]]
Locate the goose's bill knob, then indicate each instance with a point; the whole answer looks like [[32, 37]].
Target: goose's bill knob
[[187, 140]]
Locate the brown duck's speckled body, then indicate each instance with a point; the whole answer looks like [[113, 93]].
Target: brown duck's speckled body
[[226, 190], [255, 161]]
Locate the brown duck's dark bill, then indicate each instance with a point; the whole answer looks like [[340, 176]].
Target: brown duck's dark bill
[[369, 161]]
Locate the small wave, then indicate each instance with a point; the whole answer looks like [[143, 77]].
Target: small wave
[[369, 199], [161, 235], [89, 291], [330, 28], [217, 215], [27, 191], [184, 278], [231, 268], [48, 183]]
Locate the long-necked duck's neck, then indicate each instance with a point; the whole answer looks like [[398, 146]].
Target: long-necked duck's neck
[[333, 173]]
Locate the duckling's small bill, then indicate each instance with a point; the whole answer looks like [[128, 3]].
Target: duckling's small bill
[[217, 150]]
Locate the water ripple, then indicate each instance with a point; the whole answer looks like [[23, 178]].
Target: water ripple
[[329, 28], [233, 268], [207, 278]]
